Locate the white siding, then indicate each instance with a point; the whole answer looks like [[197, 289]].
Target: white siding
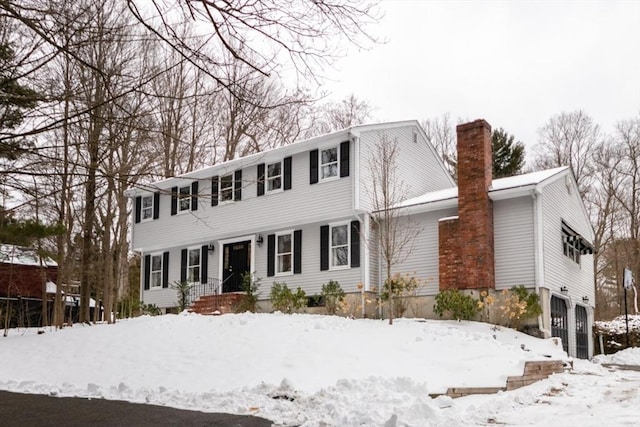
[[303, 204], [559, 204], [418, 166], [514, 242], [422, 261]]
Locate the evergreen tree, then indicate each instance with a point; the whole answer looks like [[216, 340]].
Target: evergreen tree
[[14, 98], [508, 155]]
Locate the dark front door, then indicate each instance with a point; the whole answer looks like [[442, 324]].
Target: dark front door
[[236, 262], [582, 333], [559, 324]]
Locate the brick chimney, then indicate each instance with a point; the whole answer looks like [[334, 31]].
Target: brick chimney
[[466, 253]]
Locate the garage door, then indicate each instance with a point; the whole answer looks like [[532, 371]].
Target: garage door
[[559, 324], [582, 333]]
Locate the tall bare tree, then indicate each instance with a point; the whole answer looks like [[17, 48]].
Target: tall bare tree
[[395, 230], [442, 135]]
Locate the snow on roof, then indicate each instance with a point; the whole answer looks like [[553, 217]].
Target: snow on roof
[[11, 254], [524, 180]]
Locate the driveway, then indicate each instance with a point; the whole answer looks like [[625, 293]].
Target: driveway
[[35, 410]]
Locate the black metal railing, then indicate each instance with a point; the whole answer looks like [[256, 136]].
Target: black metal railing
[[197, 290]]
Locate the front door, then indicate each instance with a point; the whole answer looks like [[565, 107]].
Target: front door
[[236, 262]]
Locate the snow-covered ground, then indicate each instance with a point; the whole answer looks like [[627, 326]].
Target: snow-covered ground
[[320, 370]]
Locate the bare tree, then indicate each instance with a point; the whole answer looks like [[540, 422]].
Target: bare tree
[[396, 231], [569, 139], [442, 135], [334, 116]]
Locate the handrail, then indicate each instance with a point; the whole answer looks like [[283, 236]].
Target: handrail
[[197, 290]]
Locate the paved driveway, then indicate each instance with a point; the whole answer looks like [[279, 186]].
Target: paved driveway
[[35, 410]]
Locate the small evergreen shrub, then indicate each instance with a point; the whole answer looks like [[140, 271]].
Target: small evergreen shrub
[[458, 305], [333, 295], [150, 309], [249, 301], [285, 300], [182, 288]]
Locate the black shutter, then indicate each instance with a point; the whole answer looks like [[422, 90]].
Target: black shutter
[[324, 247], [165, 270], [271, 255], [355, 243], [174, 200], [261, 179], [183, 266], [147, 271], [194, 196], [204, 264], [237, 190], [138, 208], [156, 205], [287, 173], [313, 167], [214, 190], [344, 159], [297, 252]]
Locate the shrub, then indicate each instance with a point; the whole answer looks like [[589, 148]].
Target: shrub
[[458, 305], [519, 305], [182, 288], [150, 309], [399, 287], [250, 285], [333, 295], [285, 300]]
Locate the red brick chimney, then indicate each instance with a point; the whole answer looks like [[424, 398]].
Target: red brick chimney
[[466, 253]]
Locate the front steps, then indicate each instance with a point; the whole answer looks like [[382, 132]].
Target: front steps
[[216, 304], [533, 372]]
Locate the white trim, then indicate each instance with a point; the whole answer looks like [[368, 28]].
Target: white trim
[[356, 173], [337, 162], [233, 189], [188, 266], [364, 230], [275, 254], [161, 255], [142, 219], [221, 243], [182, 211], [267, 179], [348, 264]]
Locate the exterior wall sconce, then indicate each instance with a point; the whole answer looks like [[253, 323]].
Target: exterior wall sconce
[[260, 240], [585, 299], [564, 290], [211, 247]]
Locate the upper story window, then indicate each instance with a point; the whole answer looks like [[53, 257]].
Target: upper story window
[[274, 177], [147, 207], [226, 188], [284, 253], [339, 246], [573, 244], [156, 271], [184, 198], [328, 163], [193, 265]]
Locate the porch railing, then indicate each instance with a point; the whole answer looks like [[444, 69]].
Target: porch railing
[[197, 290]]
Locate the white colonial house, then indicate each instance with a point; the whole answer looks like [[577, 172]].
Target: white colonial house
[[301, 214]]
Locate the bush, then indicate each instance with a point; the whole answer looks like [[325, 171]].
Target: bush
[[285, 300], [399, 287], [520, 305], [182, 288], [249, 301], [333, 295], [458, 305], [150, 309]]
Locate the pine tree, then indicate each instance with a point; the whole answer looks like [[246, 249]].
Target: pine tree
[[508, 155]]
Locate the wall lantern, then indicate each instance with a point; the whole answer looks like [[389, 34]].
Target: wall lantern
[[260, 240], [585, 299], [564, 290], [211, 247]]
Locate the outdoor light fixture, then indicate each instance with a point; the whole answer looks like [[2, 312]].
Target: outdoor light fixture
[[564, 290], [260, 240], [211, 247], [585, 299]]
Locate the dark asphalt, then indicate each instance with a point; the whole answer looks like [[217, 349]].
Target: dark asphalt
[[35, 410]]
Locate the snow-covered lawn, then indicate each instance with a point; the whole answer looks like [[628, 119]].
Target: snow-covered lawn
[[320, 370]]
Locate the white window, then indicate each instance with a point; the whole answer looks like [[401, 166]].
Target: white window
[[274, 176], [339, 245], [147, 207], [193, 265], [329, 163], [571, 247], [284, 253], [184, 198], [226, 188], [156, 271]]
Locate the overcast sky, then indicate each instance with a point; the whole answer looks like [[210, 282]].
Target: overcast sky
[[513, 63]]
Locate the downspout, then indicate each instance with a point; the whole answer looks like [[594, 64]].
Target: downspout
[[538, 240]]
